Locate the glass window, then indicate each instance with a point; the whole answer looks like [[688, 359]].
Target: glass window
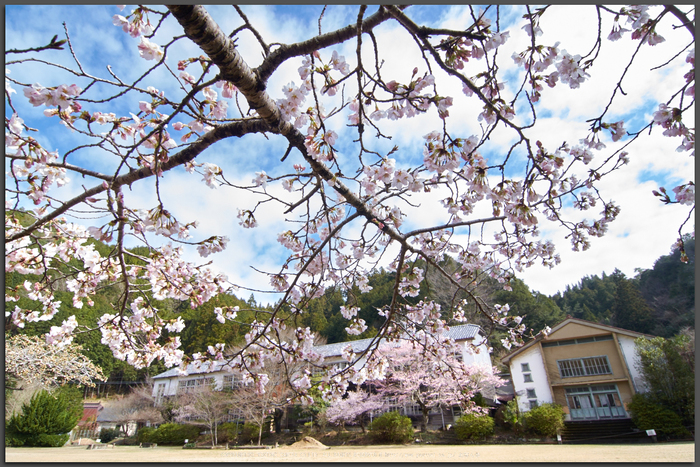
[[525, 367], [531, 394], [584, 366], [533, 404], [527, 377]]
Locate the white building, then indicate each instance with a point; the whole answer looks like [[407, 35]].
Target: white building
[[589, 369], [475, 350], [170, 383]]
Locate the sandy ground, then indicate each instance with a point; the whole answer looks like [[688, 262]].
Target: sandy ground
[[661, 452]]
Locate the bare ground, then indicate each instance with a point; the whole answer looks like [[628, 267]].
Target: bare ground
[[656, 452]]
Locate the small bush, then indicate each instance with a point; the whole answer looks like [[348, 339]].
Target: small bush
[[647, 415], [144, 434], [510, 416], [250, 431], [545, 419], [108, 434], [392, 427], [474, 426], [169, 434], [229, 432]]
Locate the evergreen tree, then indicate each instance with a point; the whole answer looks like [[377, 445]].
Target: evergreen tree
[[630, 310], [668, 368], [669, 288], [45, 422]]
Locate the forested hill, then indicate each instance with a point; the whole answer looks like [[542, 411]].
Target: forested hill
[[659, 301]]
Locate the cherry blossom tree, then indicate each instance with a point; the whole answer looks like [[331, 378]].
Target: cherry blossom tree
[[205, 404], [418, 377], [32, 360], [354, 408], [348, 202], [269, 393]]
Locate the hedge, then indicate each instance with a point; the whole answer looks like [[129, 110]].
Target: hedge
[[474, 426]]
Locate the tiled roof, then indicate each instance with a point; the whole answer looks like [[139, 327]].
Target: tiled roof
[[337, 348], [458, 333], [193, 370]]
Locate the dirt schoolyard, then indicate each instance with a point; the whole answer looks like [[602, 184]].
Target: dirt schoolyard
[[652, 452]]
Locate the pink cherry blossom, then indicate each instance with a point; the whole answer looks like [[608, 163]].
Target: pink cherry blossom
[[149, 51]]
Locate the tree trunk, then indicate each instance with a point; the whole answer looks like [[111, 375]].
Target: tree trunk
[[206, 33], [424, 419], [262, 424]]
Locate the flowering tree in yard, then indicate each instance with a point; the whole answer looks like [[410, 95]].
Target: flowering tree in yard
[[349, 202], [207, 405], [31, 360], [418, 377], [257, 403], [354, 408]]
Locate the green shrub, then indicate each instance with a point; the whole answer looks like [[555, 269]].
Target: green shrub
[[511, 416], [44, 422], [250, 431], [648, 415], [144, 434], [228, 432], [474, 426], [169, 434], [52, 441], [108, 434], [545, 419], [392, 427]]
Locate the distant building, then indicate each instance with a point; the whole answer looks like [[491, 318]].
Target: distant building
[[589, 369], [99, 415], [474, 351]]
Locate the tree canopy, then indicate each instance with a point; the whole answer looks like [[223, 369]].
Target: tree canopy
[[345, 204]]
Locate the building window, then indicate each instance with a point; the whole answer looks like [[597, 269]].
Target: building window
[[233, 382], [525, 367], [533, 404], [340, 366], [160, 391], [189, 384], [527, 377], [580, 340], [531, 394], [584, 366]]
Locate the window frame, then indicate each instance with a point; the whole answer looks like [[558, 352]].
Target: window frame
[[582, 366]]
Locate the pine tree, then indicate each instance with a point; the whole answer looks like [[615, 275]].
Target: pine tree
[[45, 422], [630, 310]]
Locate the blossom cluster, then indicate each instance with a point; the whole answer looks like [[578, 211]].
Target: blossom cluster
[[61, 96]]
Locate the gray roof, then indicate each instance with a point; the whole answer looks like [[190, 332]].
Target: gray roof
[[193, 370], [458, 333], [109, 413]]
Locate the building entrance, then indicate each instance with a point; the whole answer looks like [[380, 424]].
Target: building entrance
[[595, 402]]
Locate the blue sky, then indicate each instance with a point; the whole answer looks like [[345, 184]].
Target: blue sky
[[644, 231]]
